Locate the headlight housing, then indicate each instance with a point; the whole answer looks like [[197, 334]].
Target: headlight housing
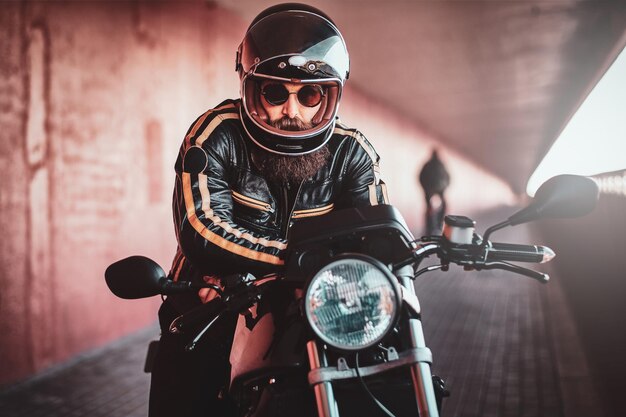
[[352, 302]]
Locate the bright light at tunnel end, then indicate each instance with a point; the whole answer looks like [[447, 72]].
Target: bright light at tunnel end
[[594, 141]]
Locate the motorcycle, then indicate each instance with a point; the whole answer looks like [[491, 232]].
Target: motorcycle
[[338, 332]]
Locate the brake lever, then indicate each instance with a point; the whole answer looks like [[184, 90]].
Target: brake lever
[[196, 316], [235, 302], [539, 276]]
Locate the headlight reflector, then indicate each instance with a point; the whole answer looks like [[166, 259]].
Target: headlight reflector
[[352, 303]]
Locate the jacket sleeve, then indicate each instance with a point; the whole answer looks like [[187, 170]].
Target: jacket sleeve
[[362, 185], [203, 207]]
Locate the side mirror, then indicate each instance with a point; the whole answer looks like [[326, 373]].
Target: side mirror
[[135, 277], [563, 196]]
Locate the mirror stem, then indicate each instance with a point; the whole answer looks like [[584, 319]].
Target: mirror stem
[[492, 229]]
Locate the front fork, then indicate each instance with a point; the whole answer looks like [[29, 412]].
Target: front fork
[[420, 371], [422, 377], [324, 395]]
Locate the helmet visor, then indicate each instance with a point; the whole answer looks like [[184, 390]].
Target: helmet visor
[[323, 94]]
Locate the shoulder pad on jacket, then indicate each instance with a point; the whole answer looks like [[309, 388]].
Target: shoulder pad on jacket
[[195, 160]]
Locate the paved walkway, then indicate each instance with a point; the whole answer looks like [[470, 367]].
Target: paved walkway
[[506, 346], [106, 382]]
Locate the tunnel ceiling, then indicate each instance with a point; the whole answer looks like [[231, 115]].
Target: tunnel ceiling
[[495, 80]]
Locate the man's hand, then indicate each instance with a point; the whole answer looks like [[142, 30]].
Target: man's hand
[[209, 294]]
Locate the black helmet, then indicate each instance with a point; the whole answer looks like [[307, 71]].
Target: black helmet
[[294, 43]]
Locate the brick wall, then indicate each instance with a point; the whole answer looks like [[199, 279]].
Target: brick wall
[[14, 267], [95, 98]]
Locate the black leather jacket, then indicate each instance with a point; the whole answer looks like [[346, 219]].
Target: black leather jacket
[[229, 219]]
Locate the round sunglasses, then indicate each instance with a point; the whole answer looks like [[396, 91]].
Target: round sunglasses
[[309, 95]]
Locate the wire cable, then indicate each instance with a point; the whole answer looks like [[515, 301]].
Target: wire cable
[[378, 403]]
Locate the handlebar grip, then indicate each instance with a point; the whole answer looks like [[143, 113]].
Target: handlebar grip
[[519, 253]]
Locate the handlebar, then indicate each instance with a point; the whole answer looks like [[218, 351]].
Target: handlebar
[[519, 253], [481, 255]]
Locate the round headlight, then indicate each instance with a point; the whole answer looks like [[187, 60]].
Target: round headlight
[[352, 303]]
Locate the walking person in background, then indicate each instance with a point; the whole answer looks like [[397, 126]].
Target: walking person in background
[[434, 179]]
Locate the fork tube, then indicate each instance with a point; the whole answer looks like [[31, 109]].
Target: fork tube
[[324, 396], [422, 378], [420, 372]]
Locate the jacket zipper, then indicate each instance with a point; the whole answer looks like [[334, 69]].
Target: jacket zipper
[[313, 212], [295, 201], [250, 202]]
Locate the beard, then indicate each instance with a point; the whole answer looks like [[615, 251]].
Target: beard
[[293, 169]]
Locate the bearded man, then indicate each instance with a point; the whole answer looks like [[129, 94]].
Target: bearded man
[[246, 171]]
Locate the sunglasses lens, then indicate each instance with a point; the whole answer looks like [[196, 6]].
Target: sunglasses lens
[[310, 95], [275, 94]]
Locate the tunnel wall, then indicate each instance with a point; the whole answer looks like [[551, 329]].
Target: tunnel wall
[[592, 272], [95, 98]]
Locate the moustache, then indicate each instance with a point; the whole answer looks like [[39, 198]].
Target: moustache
[[289, 124]]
